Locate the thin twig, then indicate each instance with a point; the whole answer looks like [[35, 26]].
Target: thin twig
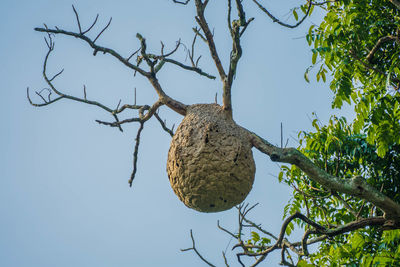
[[91, 26], [105, 28], [77, 19], [135, 153], [274, 19], [196, 251]]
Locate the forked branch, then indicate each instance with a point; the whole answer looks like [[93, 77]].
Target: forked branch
[[196, 251], [261, 250]]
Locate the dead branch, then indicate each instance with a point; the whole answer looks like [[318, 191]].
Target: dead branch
[[61, 95], [200, 7], [186, 67], [135, 153], [274, 19], [163, 97], [164, 126], [181, 2]]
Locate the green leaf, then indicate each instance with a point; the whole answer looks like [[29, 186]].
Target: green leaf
[[323, 76], [311, 10], [306, 76], [303, 263], [255, 237], [280, 176], [314, 58], [265, 241], [303, 8], [296, 17]]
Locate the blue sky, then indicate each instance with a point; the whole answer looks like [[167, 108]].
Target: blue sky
[[64, 196]]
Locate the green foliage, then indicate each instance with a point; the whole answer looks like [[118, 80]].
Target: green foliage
[[356, 48], [344, 152], [343, 41], [258, 243]]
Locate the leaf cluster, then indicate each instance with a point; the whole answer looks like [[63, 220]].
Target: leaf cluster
[[358, 44]]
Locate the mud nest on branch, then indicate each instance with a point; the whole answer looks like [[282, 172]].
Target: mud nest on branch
[[210, 163]]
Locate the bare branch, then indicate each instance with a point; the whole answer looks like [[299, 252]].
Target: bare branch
[[225, 259], [245, 26], [396, 3], [274, 19], [142, 117], [91, 26], [164, 98], [63, 95], [45, 103], [95, 47], [165, 128], [196, 251], [209, 37], [101, 32], [178, 43], [134, 53], [135, 153], [181, 2], [226, 231]]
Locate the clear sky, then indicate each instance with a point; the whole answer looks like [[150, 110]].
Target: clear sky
[[64, 195]]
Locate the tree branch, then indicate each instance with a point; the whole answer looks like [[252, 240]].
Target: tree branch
[[209, 37], [135, 153], [165, 128], [274, 19], [50, 44], [396, 3], [195, 69], [378, 44], [196, 251], [181, 2], [354, 187], [95, 47]]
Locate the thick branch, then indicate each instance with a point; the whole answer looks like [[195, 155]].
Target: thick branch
[[396, 3], [62, 95], [354, 187], [181, 2], [142, 117], [196, 251], [135, 153], [378, 44], [210, 39], [164, 126]]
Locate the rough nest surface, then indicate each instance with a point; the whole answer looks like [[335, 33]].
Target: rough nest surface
[[210, 163]]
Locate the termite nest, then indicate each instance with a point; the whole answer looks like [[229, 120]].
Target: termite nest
[[210, 163]]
